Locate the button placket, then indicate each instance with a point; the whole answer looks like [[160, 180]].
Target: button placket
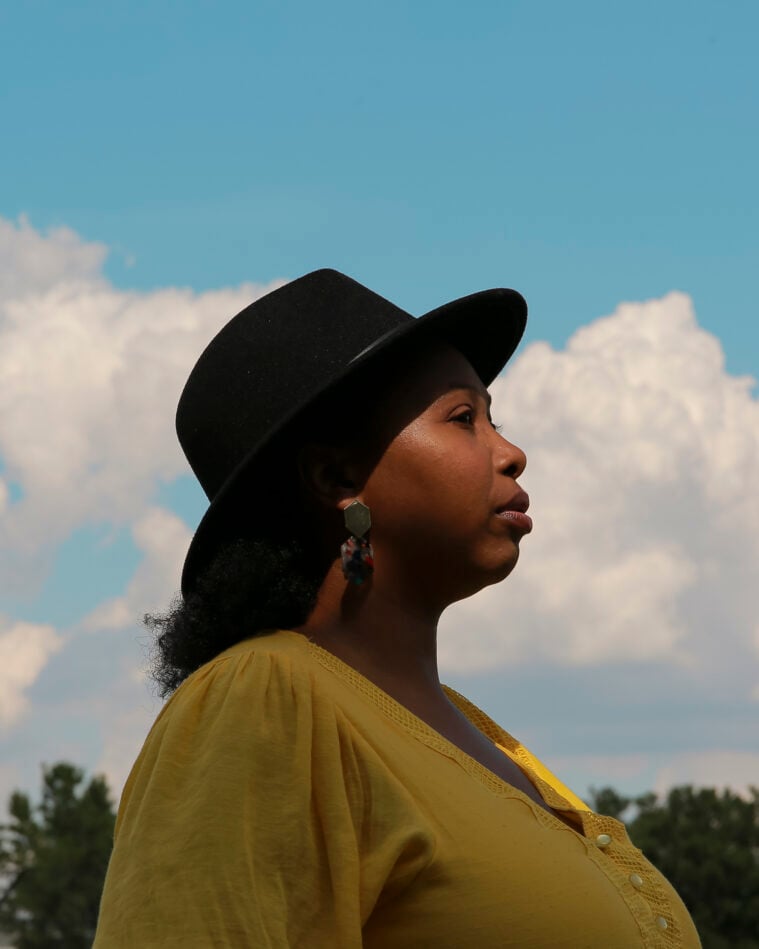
[[643, 896]]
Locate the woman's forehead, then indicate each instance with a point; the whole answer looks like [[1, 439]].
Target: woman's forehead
[[419, 382], [432, 373]]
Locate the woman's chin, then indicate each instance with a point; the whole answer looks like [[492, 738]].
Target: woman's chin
[[488, 576], [504, 568]]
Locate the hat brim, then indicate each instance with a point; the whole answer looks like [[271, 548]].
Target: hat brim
[[485, 327]]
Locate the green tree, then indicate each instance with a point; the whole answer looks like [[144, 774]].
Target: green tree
[[53, 858], [706, 843]]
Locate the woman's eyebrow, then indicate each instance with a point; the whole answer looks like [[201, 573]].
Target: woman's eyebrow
[[482, 393]]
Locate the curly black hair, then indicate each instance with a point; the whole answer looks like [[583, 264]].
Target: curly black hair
[[268, 577], [252, 585]]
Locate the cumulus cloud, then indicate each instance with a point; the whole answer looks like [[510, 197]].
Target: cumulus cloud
[[163, 539], [643, 466], [91, 375], [24, 651], [31, 262]]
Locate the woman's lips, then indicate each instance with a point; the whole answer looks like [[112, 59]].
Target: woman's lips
[[517, 519], [514, 511]]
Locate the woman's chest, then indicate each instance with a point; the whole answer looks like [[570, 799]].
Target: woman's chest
[[501, 877], [503, 873], [490, 864]]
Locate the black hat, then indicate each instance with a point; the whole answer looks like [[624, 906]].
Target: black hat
[[269, 364]]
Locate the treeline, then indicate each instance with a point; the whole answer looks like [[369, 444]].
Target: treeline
[[53, 857]]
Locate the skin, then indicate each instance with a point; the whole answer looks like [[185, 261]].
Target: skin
[[433, 473]]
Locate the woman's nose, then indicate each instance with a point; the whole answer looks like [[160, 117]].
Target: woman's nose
[[511, 460]]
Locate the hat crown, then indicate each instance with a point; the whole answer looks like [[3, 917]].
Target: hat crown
[[270, 361]]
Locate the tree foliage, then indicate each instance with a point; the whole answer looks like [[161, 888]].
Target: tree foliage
[[53, 858], [706, 843]]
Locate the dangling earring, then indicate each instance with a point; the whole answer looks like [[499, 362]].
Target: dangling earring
[[357, 554]]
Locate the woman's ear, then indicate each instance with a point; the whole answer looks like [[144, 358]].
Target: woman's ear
[[327, 473]]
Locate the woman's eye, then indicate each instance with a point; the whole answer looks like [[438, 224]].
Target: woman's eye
[[468, 419]]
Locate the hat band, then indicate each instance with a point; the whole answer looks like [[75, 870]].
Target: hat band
[[375, 343]]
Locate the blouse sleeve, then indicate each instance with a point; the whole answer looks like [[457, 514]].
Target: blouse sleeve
[[249, 820]]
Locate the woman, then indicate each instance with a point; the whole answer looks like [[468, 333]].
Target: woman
[[311, 782]]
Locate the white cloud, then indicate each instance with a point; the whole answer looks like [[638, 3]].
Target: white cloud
[[24, 651], [91, 378], [127, 708], [716, 768], [31, 262], [643, 466], [163, 539]]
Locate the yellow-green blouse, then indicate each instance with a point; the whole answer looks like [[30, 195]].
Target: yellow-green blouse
[[281, 799]]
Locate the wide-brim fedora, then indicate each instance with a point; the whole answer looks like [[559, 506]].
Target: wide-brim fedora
[[292, 347]]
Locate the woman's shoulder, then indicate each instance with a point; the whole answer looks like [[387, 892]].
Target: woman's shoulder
[[259, 706], [270, 667], [275, 685], [280, 645]]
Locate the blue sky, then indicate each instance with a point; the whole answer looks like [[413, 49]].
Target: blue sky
[[588, 154]]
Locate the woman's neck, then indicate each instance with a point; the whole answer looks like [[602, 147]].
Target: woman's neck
[[386, 636]]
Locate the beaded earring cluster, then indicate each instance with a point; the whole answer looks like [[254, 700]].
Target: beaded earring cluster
[[356, 553]]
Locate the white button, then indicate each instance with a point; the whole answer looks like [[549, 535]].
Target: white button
[[636, 881], [661, 922], [603, 840]]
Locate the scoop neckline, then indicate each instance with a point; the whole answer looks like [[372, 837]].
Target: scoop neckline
[[412, 723]]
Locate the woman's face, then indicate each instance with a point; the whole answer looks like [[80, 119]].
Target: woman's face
[[436, 490]]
